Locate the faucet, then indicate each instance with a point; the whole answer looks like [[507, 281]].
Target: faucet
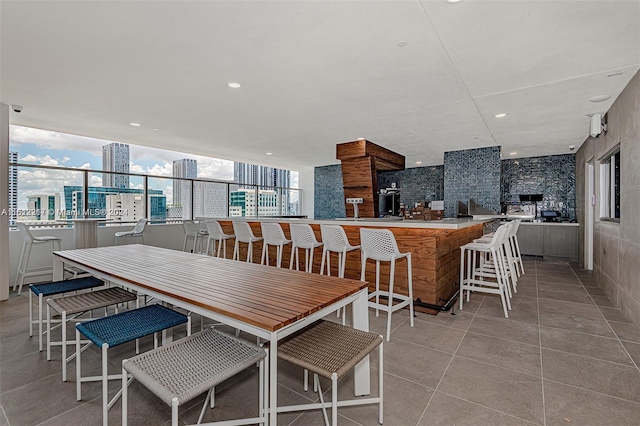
[[355, 202]]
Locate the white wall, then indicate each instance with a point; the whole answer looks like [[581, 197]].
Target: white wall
[[306, 183], [4, 201]]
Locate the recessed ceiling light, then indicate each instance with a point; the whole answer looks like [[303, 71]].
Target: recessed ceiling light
[[453, 1], [361, 139], [599, 98], [269, 153], [402, 43], [156, 129], [512, 153], [615, 74], [135, 124], [234, 85], [501, 115], [418, 162]]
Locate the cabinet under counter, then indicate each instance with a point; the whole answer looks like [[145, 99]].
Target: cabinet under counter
[[549, 239]]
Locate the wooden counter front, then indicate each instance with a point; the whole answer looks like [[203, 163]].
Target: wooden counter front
[[435, 258]]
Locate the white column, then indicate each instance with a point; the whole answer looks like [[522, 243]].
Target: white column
[[4, 201], [306, 182]]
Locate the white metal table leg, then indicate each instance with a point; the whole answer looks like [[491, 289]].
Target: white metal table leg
[[362, 382]]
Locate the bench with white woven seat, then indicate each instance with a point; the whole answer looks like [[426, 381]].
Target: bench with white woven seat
[[71, 307], [331, 350], [115, 330], [52, 289], [180, 371]]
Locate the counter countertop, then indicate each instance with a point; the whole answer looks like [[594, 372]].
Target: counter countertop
[[550, 223], [457, 223]]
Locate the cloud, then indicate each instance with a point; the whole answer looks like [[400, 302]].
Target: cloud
[[214, 168], [19, 135]]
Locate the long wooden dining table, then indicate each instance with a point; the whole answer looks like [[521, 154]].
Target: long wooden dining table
[[267, 302]]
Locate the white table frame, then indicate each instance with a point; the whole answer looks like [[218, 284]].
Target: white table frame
[[359, 302]]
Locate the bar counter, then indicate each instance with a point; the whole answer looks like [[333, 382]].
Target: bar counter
[[435, 247]]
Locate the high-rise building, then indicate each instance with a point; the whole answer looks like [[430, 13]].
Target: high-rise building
[[115, 158], [97, 203], [243, 203], [251, 174], [184, 168], [210, 199], [13, 188]]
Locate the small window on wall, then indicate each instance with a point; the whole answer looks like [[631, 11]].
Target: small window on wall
[[610, 186]]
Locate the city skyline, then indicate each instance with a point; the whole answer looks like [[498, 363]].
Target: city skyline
[[45, 147]]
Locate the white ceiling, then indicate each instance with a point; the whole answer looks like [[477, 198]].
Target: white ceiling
[[318, 73]]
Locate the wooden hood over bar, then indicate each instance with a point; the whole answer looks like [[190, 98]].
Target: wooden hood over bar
[[361, 160]]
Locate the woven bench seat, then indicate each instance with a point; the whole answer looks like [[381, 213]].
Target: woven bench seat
[[52, 289], [117, 329], [331, 350], [182, 370], [69, 307]]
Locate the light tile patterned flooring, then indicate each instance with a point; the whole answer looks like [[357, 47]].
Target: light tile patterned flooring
[[564, 356]]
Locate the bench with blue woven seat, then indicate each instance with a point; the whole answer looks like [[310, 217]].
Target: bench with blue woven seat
[[73, 306], [117, 329], [53, 289], [182, 370]]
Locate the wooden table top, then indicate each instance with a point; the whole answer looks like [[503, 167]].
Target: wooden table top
[[264, 296]]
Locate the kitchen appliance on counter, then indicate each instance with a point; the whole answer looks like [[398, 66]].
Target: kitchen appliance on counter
[[529, 203], [389, 203], [551, 216]]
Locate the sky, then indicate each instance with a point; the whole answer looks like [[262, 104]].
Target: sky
[[45, 147]]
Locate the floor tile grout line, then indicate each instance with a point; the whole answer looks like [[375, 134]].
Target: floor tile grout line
[[461, 294], [594, 391], [488, 408], [589, 357], [612, 330], [544, 406]]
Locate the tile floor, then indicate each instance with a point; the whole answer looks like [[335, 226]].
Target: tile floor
[[565, 356]]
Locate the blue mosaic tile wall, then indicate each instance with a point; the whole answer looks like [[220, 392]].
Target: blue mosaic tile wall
[[328, 194], [416, 184], [554, 176], [472, 173]]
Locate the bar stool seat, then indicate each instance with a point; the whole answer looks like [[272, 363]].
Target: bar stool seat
[[244, 234], [335, 241], [115, 330], [53, 289], [273, 235], [303, 237], [331, 350], [70, 307], [192, 230], [136, 232], [217, 235], [28, 241], [380, 245], [182, 370]]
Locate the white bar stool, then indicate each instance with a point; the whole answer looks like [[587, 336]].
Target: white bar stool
[[515, 246], [335, 241], [216, 234], [192, 230], [28, 240], [136, 232], [273, 236], [303, 237], [380, 245], [475, 280], [487, 267], [244, 234]]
